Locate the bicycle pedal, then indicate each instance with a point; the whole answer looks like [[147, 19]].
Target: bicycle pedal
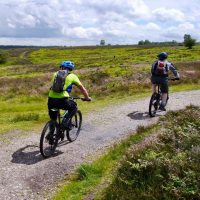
[[155, 105], [162, 108], [61, 136]]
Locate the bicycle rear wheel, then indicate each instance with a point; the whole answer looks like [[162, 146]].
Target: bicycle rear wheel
[[154, 104], [74, 126], [48, 140], [167, 99]]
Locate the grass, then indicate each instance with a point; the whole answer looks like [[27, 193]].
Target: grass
[[12, 107], [22, 106], [168, 169], [25, 117], [88, 176], [111, 75]]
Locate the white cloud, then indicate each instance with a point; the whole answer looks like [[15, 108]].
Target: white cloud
[[163, 14], [177, 32], [22, 20], [80, 32], [136, 8], [187, 26], [152, 26], [181, 29], [87, 21]]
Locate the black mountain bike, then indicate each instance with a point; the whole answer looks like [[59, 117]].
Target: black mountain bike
[[69, 125], [156, 100]]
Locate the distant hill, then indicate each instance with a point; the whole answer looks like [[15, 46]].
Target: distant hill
[[24, 46]]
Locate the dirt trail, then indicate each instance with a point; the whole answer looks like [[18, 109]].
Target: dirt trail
[[24, 174]]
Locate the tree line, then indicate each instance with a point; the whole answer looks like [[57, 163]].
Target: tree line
[[188, 42]]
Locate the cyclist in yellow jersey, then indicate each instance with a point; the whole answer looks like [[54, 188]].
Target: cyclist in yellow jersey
[[60, 100]]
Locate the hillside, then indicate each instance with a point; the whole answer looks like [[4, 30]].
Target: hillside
[[168, 168], [117, 78], [34, 177], [108, 73]]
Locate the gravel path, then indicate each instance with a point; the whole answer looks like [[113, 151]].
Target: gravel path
[[24, 174]]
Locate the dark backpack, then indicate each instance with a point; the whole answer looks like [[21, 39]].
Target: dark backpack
[[59, 81], [159, 68]]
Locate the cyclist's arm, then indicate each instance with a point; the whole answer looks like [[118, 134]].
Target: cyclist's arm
[[174, 71], [82, 89], [84, 92], [153, 67]]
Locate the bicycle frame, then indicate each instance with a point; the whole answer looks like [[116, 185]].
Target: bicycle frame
[[60, 117], [158, 88], [71, 127]]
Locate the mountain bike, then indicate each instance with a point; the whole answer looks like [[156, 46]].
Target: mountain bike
[[53, 131], [156, 99]]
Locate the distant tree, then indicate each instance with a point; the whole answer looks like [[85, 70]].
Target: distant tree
[[189, 41], [141, 42], [147, 42], [174, 42], [3, 56], [102, 42]]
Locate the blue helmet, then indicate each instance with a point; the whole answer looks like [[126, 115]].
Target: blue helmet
[[67, 64], [162, 56]]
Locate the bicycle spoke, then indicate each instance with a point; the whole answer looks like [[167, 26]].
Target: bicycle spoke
[[154, 104], [74, 126], [48, 141]]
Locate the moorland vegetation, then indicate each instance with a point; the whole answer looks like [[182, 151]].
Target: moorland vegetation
[[110, 73]]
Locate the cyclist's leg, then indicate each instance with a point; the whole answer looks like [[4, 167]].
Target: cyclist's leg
[[153, 87], [153, 81], [71, 107], [53, 104], [52, 114], [164, 90]]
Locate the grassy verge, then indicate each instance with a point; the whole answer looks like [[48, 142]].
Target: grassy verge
[[30, 112], [88, 176], [111, 75], [167, 170]]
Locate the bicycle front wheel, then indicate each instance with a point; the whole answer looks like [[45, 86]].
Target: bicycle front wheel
[[74, 126], [48, 140], [154, 104]]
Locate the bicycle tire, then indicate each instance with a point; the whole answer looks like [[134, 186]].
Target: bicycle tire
[[154, 104], [167, 99], [48, 144], [74, 126]]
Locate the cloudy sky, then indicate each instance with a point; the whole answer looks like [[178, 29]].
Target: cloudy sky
[[86, 22]]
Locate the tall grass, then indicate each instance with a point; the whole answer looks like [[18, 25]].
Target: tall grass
[[165, 168], [89, 176], [109, 74], [168, 170]]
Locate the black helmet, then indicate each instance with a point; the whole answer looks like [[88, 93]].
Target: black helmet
[[162, 56]]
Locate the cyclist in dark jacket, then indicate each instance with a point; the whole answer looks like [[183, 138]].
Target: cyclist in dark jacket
[[159, 75]]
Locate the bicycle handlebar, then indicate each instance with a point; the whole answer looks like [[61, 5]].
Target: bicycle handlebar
[[174, 79], [82, 98]]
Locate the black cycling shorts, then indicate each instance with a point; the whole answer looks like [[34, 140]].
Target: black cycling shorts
[[62, 103], [162, 81]]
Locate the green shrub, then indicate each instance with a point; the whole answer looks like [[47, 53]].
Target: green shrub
[[25, 117], [168, 170], [3, 56]]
